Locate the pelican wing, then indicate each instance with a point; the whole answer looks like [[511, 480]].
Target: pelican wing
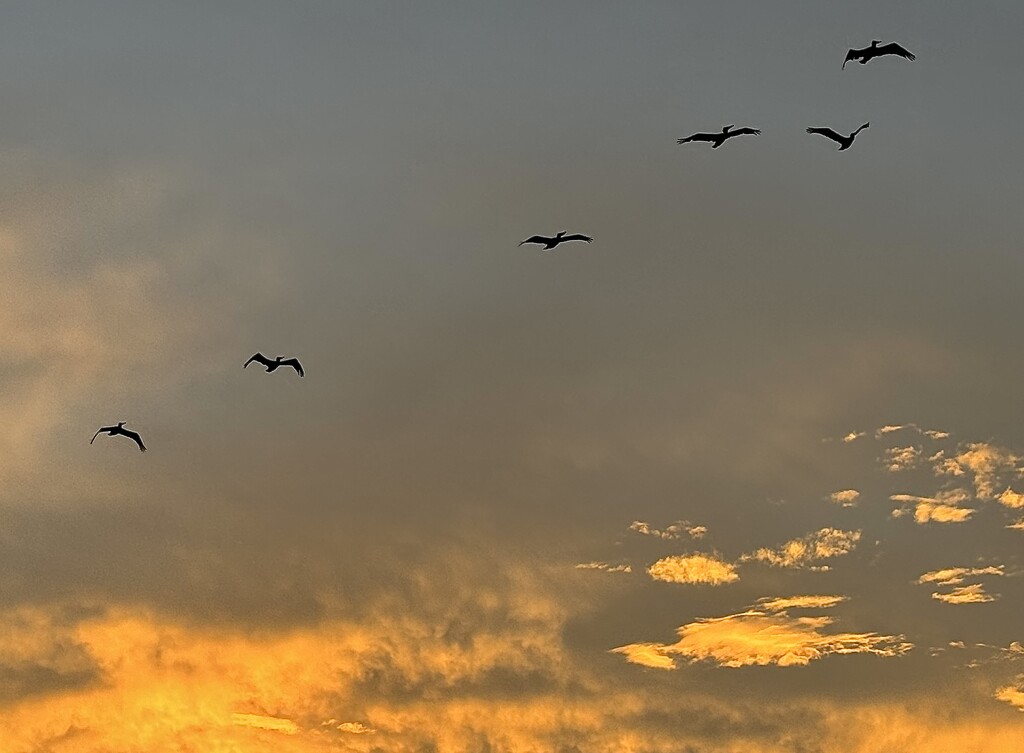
[[258, 358], [294, 363], [577, 237], [134, 436], [536, 239], [828, 133], [894, 49], [852, 55], [98, 432], [745, 132], [699, 137]]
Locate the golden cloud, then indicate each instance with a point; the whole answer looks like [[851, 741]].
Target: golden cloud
[[757, 637], [901, 458], [1012, 499], [814, 547], [952, 576], [987, 462], [693, 568], [259, 721], [971, 594], [1013, 695], [674, 531], [604, 567], [942, 508], [846, 497], [799, 602]]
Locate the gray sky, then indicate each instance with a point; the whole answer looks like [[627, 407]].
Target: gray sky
[[522, 500]]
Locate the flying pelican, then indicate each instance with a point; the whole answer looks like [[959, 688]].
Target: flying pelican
[[719, 138], [277, 362], [867, 53], [113, 431], [549, 243], [844, 141]]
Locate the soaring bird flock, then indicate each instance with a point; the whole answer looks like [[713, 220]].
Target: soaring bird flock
[[862, 56]]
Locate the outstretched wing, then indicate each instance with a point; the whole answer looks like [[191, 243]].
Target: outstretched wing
[[894, 49], [258, 358], [98, 432], [294, 363], [828, 133], [852, 55], [745, 131], [577, 237], [698, 137], [536, 239], [134, 436]]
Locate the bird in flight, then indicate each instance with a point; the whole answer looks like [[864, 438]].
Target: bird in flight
[[276, 363], [549, 242], [844, 141], [873, 51], [719, 138], [113, 431]]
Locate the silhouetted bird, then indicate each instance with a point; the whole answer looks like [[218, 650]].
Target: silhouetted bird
[[276, 363], [550, 243], [843, 141], [113, 431], [869, 53], [719, 138]]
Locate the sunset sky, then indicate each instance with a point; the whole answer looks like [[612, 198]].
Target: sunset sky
[[744, 474]]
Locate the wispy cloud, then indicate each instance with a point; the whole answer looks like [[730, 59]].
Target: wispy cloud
[[854, 435], [605, 567], [674, 531], [693, 568], [812, 548], [971, 594], [259, 721], [952, 576], [355, 728], [988, 463], [942, 508], [780, 604], [760, 637]]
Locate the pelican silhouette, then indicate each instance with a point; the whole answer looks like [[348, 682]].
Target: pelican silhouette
[[276, 363], [549, 243], [844, 141], [113, 431], [719, 138], [873, 51]]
